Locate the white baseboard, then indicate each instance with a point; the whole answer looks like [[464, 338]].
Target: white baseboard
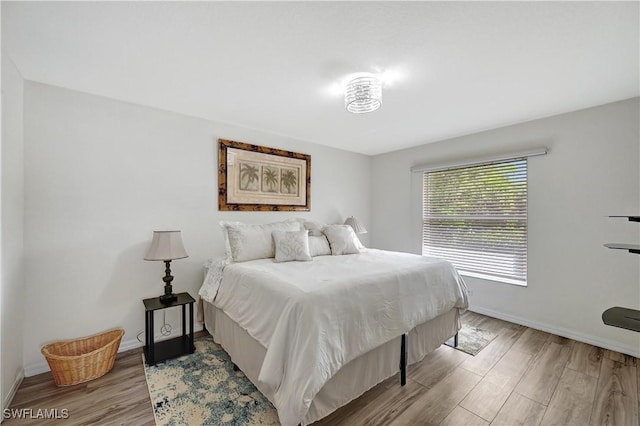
[[6, 403], [126, 345], [560, 331]]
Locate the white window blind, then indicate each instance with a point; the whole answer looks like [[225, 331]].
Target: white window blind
[[476, 217]]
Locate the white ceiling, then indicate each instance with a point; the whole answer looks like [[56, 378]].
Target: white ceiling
[[460, 67]]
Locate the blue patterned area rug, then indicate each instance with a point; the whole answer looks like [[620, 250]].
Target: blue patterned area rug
[[203, 389], [471, 340]]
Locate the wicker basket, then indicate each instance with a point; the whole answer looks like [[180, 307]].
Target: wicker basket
[[81, 360]]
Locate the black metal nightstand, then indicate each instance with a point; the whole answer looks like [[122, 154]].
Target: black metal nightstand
[[171, 348]]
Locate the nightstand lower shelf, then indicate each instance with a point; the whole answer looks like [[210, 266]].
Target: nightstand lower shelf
[[171, 348], [622, 317]]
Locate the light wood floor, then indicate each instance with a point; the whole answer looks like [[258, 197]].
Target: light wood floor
[[523, 376]]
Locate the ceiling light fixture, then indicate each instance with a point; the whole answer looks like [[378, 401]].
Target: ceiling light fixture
[[363, 94]]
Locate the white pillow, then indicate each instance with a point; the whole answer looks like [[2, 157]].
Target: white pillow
[[291, 245], [315, 228], [250, 242], [319, 246], [223, 224], [356, 239], [341, 239]]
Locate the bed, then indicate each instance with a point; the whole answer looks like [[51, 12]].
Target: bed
[[314, 335]]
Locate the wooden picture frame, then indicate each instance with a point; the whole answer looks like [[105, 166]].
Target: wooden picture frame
[[258, 178]]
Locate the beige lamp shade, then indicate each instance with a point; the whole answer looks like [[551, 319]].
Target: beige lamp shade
[[166, 245], [357, 226]]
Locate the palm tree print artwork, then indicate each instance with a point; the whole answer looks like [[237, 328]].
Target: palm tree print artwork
[[259, 178], [289, 181], [270, 177], [249, 177]]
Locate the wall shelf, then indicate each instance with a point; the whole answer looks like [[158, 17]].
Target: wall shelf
[[622, 317], [619, 316], [632, 248], [631, 218]]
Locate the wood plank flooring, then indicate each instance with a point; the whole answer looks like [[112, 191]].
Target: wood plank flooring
[[117, 398], [523, 377]]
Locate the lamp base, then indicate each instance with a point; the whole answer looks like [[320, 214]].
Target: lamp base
[[168, 298]]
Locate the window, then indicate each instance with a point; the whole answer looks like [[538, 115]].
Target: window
[[476, 217]]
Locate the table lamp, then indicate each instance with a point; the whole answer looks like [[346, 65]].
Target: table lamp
[[357, 226], [166, 246]]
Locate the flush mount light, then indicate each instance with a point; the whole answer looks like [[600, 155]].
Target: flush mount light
[[363, 94]]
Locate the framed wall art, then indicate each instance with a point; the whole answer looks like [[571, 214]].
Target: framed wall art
[[258, 178]]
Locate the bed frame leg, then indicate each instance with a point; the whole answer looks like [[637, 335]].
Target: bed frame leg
[[403, 359], [455, 341]]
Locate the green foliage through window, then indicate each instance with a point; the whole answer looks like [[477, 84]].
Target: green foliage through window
[[476, 217]]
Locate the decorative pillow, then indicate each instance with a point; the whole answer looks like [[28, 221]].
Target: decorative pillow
[[341, 239], [319, 246], [291, 245], [250, 242]]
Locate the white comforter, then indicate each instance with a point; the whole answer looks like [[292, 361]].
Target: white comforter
[[314, 317]]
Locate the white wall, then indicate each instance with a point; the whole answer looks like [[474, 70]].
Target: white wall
[[101, 175], [12, 307], [592, 171]]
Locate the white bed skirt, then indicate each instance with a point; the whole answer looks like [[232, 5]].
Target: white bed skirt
[[353, 379]]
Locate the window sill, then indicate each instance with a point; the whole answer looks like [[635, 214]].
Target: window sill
[[494, 278]]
